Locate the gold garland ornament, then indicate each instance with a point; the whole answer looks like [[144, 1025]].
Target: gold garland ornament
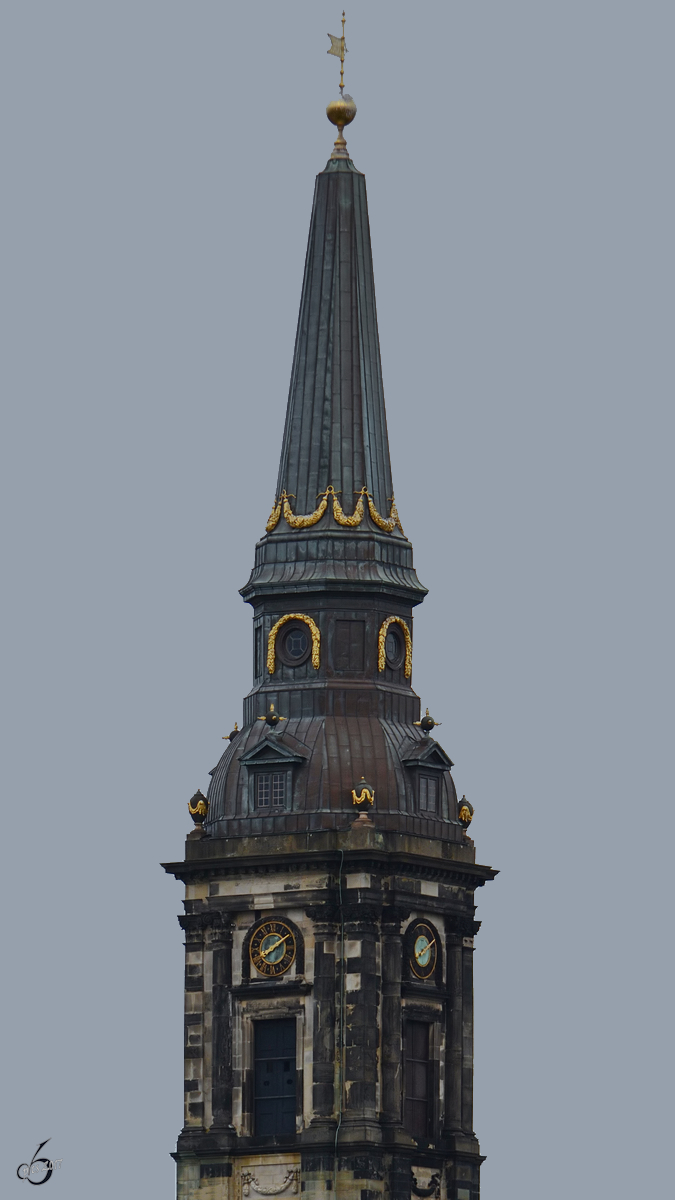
[[388, 524], [381, 652], [357, 515], [295, 522], [274, 516], [304, 521], [272, 640]]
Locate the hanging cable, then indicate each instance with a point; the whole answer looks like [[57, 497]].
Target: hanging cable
[[341, 1035]]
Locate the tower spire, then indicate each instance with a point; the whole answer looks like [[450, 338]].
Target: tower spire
[[329, 913], [335, 471]]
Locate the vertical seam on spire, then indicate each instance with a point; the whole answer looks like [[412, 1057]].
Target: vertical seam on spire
[[287, 437], [378, 406], [305, 434], [324, 384], [369, 465]]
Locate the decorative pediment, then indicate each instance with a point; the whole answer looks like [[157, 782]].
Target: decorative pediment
[[427, 754], [273, 750]]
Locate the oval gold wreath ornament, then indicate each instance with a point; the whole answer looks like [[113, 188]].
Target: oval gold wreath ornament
[[381, 652], [272, 640]]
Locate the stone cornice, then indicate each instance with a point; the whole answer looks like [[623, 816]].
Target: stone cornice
[[266, 988], [375, 862], [209, 918]]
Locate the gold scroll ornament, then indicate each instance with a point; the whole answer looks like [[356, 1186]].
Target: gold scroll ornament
[[272, 640], [365, 795], [298, 521], [381, 653]]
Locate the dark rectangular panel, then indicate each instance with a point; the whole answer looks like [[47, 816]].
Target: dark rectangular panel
[[349, 644], [275, 1084], [417, 1078], [258, 652]]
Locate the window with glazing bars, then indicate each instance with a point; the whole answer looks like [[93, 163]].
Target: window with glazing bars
[[417, 1079], [270, 789], [274, 1077], [428, 794]]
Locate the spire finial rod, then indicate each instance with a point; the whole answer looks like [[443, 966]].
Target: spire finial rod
[[339, 49], [341, 111]]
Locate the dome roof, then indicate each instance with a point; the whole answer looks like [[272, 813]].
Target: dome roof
[[321, 759]]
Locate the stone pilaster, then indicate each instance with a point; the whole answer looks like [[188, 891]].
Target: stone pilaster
[[463, 1170], [323, 1084], [454, 1035], [467, 1035], [361, 1033], [221, 943], [194, 1015], [391, 1045]]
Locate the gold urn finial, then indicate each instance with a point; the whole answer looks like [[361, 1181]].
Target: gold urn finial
[[198, 808], [363, 793], [340, 112]]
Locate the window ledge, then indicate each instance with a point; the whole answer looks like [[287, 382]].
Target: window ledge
[[273, 987], [430, 991]]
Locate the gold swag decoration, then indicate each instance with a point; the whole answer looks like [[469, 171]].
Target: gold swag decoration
[[200, 809], [298, 521], [381, 653], [272, 640], [365, 795]]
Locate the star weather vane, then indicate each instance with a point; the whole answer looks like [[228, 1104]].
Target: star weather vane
[[338, 48]]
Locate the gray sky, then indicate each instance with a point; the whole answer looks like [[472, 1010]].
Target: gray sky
[[158, 169]]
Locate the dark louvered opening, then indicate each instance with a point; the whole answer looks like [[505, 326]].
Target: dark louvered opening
[[417, 1079], [275, 1086]]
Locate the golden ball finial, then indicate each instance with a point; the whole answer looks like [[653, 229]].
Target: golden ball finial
[[341, 112]]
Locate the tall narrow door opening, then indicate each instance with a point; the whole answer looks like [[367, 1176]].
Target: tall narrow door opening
[[275, 1078], [417, 1079]]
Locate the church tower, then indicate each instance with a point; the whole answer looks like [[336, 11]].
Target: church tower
[[329, 911]]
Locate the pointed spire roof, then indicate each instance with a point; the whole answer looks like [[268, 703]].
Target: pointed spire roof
[[335, 450], [336, 428]]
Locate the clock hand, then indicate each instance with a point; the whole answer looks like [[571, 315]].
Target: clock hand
[[264, 953], [427, 947]]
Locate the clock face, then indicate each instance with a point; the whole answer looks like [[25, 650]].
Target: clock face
[[424, 952], [272, 948]]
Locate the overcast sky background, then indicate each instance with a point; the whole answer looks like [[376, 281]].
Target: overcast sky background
[[158, 169]]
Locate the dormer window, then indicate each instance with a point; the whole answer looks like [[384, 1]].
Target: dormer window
[[270, 789], [271, 767], [428, 794]]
